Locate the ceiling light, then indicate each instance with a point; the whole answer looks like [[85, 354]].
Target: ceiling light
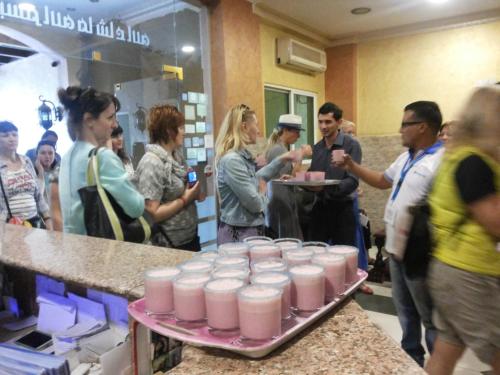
[[28, 7], [187, 49], [361, 10]]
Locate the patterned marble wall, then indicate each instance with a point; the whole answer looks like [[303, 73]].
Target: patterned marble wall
[[378, 153]]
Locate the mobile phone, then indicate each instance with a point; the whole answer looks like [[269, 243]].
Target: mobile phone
[[35, 340], [192, 178]]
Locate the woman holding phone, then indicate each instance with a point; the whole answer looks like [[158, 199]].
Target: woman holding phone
[[162, 177]]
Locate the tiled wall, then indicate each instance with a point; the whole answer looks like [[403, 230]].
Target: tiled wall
[[378, 153]]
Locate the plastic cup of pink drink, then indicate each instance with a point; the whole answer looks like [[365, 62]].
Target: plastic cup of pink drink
[[158, 294], [334, 266], [308, 287], [242, 273], [268, 264], [231, 261], [351, 256], [264, 250], [196, 265], [280, 280], [189, 297], [222, 303], [257, 240], [288, 243], [316, 246], [296, 257], [206, 255], [233, 248], [259, 309]]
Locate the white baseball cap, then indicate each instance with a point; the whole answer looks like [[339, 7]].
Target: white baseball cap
[[291, 122]]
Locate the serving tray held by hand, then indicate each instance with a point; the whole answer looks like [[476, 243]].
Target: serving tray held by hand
[[307, 183], [201, 336]]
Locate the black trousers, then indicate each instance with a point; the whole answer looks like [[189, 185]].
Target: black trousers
[[333, 222]]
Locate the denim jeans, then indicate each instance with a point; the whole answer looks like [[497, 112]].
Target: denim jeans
[[413, 305]]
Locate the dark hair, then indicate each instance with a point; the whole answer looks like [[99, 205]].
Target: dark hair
[[44, 142], [428, 112], [78, 101], [164, 123], [332, 108], [7, 127], [121, 153], [49, 133]]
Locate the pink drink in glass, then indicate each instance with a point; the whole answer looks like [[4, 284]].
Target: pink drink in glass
[[196, 265], [265, 250], [233, 248], [296, 257], [281, 281], [351, 256], [308, 287], [288, 244], [259, 308], [158, 289], [242, 273], [189, 297], [257, 240], [206, 255], [222, 303], [268, 264], [316, 246], [231, 261], [335, 266]]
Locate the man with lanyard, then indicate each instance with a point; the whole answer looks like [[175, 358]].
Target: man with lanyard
[[332, 215], [410, 178]]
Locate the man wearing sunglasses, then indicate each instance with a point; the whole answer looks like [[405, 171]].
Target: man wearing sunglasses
[[410, 177]]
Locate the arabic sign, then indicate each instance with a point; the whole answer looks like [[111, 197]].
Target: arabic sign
[[65, 21]]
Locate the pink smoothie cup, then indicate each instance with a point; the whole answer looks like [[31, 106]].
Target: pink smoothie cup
[[242, 273], [259, 308], [233, 248], [316, 246], [279, 280], [257, 240], [265, 250], [196, 265], [158, 285], [288, 243], [351, 256], [338, 155], [308, 287], [334, 273], [316, 176], [268, 264], [206, 255], [296, 257], [189, 297], [222, 303], [231, 261], [300, 176]]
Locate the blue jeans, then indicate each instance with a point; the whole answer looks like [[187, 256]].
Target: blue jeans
[[413, 305]]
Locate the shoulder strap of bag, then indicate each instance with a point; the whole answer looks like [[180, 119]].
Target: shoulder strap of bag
[[93, 179], [6, 200]]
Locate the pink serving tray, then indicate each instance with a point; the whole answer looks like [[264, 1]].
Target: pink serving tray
[[234, 343]]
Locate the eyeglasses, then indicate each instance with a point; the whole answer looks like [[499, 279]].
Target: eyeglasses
[[405, 124]]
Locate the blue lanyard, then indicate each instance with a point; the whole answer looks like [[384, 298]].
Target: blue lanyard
[[410, 163]]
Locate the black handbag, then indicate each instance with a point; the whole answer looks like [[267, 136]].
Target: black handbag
[[103, 216]]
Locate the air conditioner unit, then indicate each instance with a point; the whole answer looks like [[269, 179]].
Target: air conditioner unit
[[297, 55]]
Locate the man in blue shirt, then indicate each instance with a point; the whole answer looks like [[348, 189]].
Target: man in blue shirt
[[332, 216]]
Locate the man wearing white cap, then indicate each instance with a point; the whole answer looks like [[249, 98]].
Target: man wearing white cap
[[332, 216], [281, 214]]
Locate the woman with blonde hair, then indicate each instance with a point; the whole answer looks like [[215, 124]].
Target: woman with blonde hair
[[464, 273], [161, 177], [242, 190]]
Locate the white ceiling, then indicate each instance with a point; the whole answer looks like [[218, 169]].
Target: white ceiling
[[331, 20]]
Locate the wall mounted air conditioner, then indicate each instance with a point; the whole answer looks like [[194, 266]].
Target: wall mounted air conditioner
[[297, 55]]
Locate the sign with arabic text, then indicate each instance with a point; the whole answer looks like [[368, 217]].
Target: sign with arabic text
[[83, 24]]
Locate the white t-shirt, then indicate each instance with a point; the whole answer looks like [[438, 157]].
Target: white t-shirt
[[416, 185]]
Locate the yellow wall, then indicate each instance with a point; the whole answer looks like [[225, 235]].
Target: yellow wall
[[275, 75], [440, 66]]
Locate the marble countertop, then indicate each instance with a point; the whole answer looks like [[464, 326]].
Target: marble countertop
[[112, 266], [344, 342]]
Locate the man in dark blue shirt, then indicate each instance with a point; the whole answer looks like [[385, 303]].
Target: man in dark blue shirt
[[332, 216]]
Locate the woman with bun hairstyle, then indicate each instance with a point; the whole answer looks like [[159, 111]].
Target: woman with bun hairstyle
[[91, 120]]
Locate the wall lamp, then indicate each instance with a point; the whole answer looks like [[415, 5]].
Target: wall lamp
[[45, 113]]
